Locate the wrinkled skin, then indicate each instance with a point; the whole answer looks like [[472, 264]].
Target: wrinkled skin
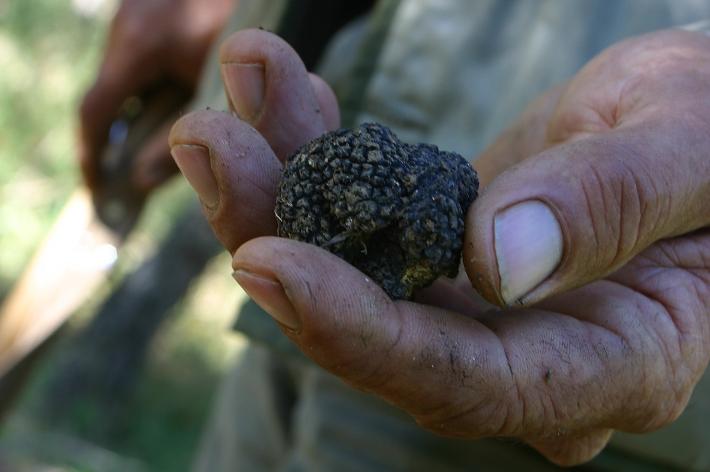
[[615, 338], [149, 42]]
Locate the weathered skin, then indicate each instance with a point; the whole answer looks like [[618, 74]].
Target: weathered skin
[[393, 210]]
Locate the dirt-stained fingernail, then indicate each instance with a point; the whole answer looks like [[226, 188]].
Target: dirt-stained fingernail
[[270, 295], [194, 163], [245, 86]]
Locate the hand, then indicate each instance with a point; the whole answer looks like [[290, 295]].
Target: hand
[[149, 41], [595, 222]]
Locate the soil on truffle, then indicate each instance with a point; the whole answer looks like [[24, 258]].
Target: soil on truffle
[[393, 210]]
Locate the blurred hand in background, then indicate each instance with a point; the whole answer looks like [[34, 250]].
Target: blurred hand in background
[[150, 42]]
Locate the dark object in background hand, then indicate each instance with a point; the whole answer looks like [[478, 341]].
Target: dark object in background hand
[[393, 210]]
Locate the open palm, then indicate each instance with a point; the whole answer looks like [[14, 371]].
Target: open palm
[[592, 231]]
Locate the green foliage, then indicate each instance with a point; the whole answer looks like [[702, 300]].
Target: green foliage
[[48, 55]]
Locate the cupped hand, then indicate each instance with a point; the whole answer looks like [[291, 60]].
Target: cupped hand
[[150, 42], [592, 233]]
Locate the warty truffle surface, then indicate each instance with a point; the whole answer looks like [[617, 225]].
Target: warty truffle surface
[[393, 210]]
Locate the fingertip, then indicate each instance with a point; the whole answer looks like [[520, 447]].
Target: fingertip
[[479, 253], [245, 170], [181, 131], [300, 264], [268, 292], [268, 85], [249, 45], [330, 309], [232, 48]]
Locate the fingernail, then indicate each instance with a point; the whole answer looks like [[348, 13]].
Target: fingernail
[[528, 245], [194, 163], [245, 87], [269, 294]]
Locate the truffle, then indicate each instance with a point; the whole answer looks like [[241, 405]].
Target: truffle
[[393, 210]]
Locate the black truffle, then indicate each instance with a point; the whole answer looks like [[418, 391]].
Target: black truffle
[[393, 210]]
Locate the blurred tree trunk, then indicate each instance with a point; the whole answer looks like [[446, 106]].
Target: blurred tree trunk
[[101, 364]]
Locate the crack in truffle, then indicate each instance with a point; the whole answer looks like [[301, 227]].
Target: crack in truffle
[[393, 210]]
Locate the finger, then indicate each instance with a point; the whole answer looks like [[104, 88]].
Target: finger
[[582, 209], [552, 380], [153, 163], [119, 78], [234, 172], [269, 87], [96, 112]]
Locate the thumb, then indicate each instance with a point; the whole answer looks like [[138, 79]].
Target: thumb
[[578, 211]]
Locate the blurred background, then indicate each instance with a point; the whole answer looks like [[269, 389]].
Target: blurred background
[[147, 411]]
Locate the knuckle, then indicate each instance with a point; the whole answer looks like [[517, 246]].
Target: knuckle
[[621, 203], [602, 207]]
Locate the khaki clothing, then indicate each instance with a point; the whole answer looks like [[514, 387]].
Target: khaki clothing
[[454, 73]]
